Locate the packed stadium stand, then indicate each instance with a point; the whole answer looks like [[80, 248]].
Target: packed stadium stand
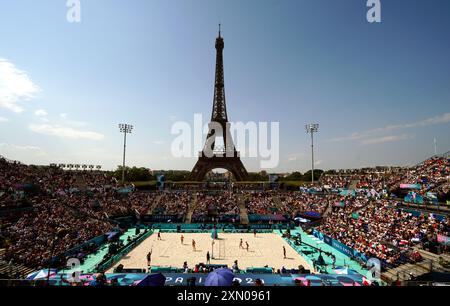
[[396, 215]]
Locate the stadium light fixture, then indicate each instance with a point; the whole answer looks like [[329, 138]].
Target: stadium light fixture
[[312, 128], [125, 129]]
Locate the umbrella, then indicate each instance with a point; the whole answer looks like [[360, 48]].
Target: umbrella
[[220, 277], [42, 274], [156, 279]]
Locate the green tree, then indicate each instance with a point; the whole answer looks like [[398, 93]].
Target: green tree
[[134, 174], [317, 175], [294, 176]]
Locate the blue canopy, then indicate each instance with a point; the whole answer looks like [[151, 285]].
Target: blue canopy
[[156, 279], [311, 214], [220, 277]]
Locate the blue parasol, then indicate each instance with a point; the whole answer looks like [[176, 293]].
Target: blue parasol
[[220, 277], [156, 279]]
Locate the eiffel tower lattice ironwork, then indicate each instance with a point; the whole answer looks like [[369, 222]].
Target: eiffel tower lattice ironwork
[[214, 156]]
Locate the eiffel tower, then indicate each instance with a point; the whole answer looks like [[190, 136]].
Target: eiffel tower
[[215, 156]]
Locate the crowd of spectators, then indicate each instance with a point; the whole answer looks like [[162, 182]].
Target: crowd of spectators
[[431, 175], [224, 203], [52, 229], [173, 203], [262, 203], [216, 206], [62, 209], [294, 203], [67, 208], [379, 229]]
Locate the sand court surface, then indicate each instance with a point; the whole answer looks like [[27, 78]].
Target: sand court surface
[[264, 249]]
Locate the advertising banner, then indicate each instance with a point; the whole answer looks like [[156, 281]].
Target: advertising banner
[[339, 246], [410, 186]]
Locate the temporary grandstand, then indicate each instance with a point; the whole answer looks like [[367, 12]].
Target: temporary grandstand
[[332, 230]]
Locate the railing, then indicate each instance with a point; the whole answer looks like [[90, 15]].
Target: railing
[[299, 251], [98, 240], [116, 258]]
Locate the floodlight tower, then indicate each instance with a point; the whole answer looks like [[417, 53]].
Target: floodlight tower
[[125, 129], [312, 128]]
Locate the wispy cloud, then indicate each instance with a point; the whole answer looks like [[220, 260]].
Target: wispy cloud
[[75, 123], [444, 118], [439, 119], [383, 139], [13, 148], [3, 119], [40, 113], [64, 131], [295, 157], [15, 87]]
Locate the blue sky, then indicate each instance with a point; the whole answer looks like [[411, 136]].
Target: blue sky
[[380, 92]]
